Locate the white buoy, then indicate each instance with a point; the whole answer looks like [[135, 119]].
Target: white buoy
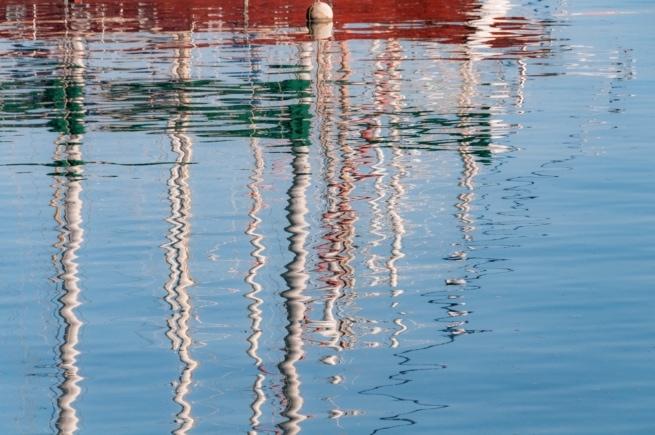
[[319, 12]]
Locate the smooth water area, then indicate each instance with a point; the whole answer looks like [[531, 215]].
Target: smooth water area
[[423, 219]]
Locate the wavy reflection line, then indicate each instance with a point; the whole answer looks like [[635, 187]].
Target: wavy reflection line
[[336, 253], [378, 172], [523, 75], [377, 212], [68, 205], [68, 215], [490, 13], [388, 94], [255, 313], [397, 221], [295, 276], [294, 300], [399, 379], [177, 249], [259, 260], [467, 92], [470, 133]]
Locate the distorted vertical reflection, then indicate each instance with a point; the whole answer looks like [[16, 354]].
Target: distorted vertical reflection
[[68, 215], [523, 74], [377, 263], [397, 226], [67, 95], [387, 103], [340, 187], [374, 261], [256, 240], [336, 253], [294, 300], [295, 276], [177, 248], [473, 133], [389, 98], [467, 93], [478, 48], [388, 184], [259, 259]]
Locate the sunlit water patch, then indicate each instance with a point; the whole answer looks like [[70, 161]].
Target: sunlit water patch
[[431, 217]]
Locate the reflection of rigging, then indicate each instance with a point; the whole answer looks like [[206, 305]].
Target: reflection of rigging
[[177, 249], [68, 204]]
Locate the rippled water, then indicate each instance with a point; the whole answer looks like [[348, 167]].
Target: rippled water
[[435, 219]]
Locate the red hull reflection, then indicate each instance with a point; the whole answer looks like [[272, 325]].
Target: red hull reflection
[[366, 19]]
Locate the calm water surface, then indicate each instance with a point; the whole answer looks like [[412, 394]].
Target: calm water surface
[[422, 220]]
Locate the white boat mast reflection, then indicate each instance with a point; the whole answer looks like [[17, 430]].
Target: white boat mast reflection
[[295, 276], [256, 239], [259, 260], [389, 99], [68, 215], [177, 248], [294, 300], [68, 205]]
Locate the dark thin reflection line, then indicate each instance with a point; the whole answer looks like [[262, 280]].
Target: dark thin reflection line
[[177, 250], [405, 377]]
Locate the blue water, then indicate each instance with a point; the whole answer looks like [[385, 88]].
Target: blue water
[[205, 232]]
